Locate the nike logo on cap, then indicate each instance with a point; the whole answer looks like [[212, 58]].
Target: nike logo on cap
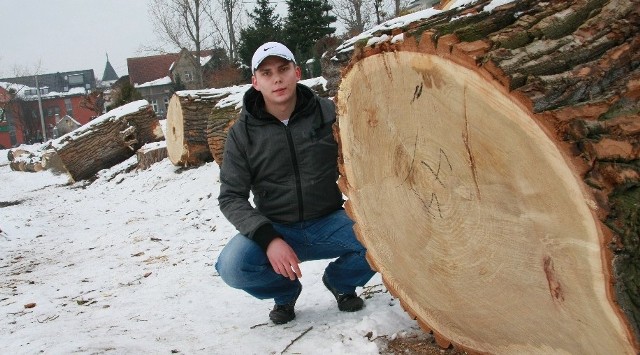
[[266, 49]]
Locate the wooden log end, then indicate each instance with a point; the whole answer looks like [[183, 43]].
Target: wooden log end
[[441, 340], [343, 184]]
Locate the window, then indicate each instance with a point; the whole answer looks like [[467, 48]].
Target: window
[[68, 107], [154, 104], [166, 104], [75, 79], [52, 111], [187, 76], [2, 117]]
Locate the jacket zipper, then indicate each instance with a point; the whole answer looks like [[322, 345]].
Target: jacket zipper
[[296, 172]]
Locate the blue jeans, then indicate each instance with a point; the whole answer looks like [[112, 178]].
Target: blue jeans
[[244, 265]]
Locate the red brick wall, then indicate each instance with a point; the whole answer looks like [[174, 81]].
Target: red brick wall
[[79, 113]]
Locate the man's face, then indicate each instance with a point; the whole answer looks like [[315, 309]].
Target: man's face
[[276, 79]]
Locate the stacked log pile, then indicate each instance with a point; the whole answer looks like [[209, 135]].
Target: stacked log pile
[[491, 160], [24, 160], [192, 123]]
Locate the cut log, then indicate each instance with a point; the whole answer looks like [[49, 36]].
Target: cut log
[[51, 161], [150, 154], [108, 140], [188, 116], [222, 118], [13, 154], [28, 161], [26, 166], [491, 164]]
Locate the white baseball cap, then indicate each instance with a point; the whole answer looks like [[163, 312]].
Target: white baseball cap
[[268, 49]]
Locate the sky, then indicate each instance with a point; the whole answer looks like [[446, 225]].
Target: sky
[[66, 35], [124, 265]]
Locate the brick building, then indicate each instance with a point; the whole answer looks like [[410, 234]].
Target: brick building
[[21, 110]]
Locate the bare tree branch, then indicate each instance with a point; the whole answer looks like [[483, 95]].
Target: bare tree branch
[[182, 24], [356, 15], [227, 26]]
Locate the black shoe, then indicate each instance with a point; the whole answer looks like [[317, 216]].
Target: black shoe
[[347, 302], [284, 313]]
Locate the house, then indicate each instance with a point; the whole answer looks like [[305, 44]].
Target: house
[[157, 77], [58, 82], [109, 75], [26, 104], [65, 125]]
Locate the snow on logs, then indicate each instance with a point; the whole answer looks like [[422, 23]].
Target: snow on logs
[[108, 139], [491, 160], [198, 121]]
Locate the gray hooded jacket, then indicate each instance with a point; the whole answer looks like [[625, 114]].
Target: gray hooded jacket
[[290, 169]]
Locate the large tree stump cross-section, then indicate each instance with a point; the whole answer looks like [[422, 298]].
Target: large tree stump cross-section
[[476, 181]]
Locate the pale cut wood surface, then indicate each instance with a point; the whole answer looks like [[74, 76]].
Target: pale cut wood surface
[[478, 196], [187, 118], [175, 132]]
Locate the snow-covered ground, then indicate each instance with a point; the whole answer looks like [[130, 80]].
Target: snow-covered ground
[[125, 265]]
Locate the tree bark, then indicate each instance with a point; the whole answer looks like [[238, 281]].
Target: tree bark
[[219, 123], [108, 140], [151, 154], [491, 160], [189, 117]]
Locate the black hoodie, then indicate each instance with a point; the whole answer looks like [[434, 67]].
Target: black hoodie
[[290, 169]]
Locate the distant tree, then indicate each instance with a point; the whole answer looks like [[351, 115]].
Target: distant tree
[[221, 71], [94, 101], [385, 9], [307, 22], [355, 15], [183, 24], [227, 28], [377, 4], [122, 93], [22, 114], [265, 26]]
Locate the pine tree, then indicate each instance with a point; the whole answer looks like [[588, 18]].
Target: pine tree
[[123, 94], [266, 26], [307, 22]]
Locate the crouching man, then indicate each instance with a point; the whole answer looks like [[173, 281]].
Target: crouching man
[[283, 151]]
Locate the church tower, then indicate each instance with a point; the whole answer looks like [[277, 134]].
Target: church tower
[[109, 73]]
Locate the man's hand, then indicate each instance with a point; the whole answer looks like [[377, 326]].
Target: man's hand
[[283, 259]]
